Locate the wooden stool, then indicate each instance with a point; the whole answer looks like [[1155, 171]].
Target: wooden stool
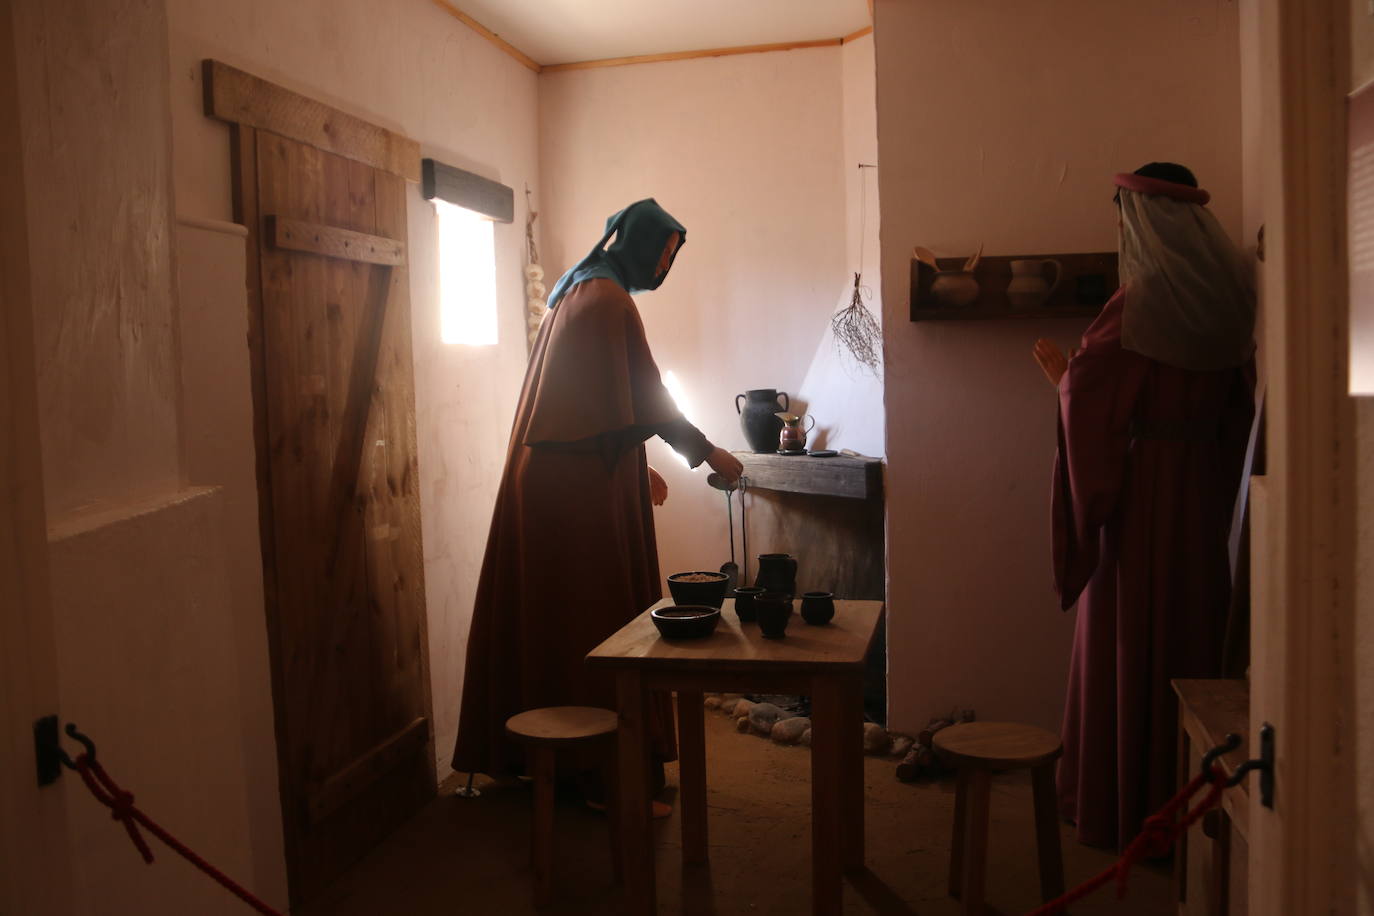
[[545, 732], [976, 749]]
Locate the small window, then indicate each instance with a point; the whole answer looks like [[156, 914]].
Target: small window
[[467, 275]]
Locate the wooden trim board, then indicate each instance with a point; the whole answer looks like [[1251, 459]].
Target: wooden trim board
[[242, 98], [691, 55], [489, 35], [357, 776], [332, 242]]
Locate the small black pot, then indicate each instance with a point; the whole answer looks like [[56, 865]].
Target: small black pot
[[773, 609], [745, 596], [818, 608]]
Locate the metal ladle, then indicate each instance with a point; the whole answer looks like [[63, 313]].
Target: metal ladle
[[730, 569]]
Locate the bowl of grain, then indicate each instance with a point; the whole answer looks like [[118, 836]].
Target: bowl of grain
[[698, 588]]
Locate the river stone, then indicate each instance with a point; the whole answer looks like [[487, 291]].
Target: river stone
[[789, 731], [876, 740], [762, 716], [728, 701], [901, 744], [741, 708], [712, 701], [805, 738]]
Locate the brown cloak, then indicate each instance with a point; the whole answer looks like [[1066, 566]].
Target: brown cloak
[[571, 556]]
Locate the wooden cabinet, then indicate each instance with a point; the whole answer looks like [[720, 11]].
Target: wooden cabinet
[[1210, 863]]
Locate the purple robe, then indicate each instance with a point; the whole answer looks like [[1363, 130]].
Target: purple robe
[[1150, 459]]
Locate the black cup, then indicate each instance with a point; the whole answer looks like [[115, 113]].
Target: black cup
[[773, 609], [744, 602], [818, 608]]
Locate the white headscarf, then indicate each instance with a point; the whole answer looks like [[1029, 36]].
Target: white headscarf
[[1190, 301]]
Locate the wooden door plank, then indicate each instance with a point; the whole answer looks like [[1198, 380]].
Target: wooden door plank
[[353, 779], [395, 493], [241, 98], [332, 242]]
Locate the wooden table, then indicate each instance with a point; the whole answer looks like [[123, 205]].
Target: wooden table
[[826, 663]]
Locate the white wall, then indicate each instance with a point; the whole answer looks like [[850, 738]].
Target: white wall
[[1001, 124], [412, 68], [846, 398], [747, 152]]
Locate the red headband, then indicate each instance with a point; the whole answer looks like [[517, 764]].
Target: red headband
[[1161, 188]]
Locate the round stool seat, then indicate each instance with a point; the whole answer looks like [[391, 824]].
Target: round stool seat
[[558, 724], [997, 745]]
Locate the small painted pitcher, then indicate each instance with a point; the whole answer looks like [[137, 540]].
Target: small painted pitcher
[[793, 436]]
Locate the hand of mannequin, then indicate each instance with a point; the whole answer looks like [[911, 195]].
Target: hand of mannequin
[[725, 464], [658, 488], [1051, 359]]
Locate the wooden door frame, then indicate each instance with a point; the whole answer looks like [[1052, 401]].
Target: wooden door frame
[[1301, 852], [37, 874]]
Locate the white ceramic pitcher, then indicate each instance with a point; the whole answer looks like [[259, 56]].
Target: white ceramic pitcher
[[1028, 288]]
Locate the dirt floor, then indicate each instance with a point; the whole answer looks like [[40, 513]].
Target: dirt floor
[[471, 856]]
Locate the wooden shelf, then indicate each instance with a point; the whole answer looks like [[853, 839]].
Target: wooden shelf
[[1088, 281], [852, 478]]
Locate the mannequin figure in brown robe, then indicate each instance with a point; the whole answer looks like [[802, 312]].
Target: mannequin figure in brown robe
[[571, 555]]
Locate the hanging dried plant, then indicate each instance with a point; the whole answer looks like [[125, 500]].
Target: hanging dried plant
[[535, 305], [857, 332]]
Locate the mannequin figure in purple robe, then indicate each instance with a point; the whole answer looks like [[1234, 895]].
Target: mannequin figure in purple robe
[[1154, 417]]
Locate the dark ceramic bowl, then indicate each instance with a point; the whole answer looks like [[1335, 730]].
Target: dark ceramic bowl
[[744, 602], [710, 592], [690, 621]]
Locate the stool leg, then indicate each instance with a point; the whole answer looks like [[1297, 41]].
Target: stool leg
[[542, 840], [610, 772], [975, 841], [956, 843], [1047, 833]]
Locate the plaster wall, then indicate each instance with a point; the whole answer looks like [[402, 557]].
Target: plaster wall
[[140, 564], [983, 141], [747, 152], [412, 68], [845, 398]]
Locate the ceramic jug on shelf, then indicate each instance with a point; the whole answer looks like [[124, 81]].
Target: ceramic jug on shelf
[[1028, 288], [758, 417], [957, 288], [792, 437]]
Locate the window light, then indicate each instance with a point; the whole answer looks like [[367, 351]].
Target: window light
[[684, 404], [467, 275]]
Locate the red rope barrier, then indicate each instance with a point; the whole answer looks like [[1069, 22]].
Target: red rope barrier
[[1156, 838], [122, 809]]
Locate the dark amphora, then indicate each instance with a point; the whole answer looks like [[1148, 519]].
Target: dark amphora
[[773, 610], [758, 417]]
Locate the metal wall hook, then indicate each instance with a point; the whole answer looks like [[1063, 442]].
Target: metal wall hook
[[1263, 764]]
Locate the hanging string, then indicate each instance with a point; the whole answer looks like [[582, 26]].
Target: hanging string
[[855, 329]]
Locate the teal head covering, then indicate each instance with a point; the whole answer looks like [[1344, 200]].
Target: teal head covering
[[641, 232]]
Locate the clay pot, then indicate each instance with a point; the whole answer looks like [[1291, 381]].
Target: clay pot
[[745, 596], [792, 438], [758, 417], [956, 288], [778, 573], [774, 610], [818, 608]]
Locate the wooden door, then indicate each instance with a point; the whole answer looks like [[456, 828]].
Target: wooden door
[[1302, 643], [323, 196]]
